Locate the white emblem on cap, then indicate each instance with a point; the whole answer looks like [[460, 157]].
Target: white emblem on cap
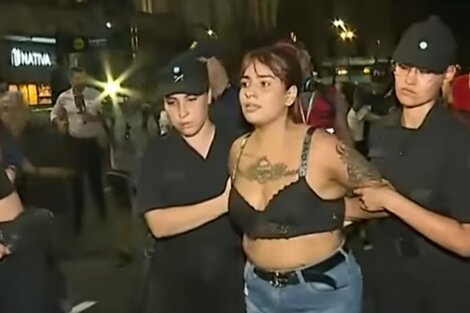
[[423, 45], [177, 75]]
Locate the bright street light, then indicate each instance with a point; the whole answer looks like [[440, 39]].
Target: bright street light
[[347, 35], [112, 88], [211, 33], [339, 23], [342, 71], [109, 25], [293, 37]]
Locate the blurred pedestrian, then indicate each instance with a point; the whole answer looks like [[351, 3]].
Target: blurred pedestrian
[[321, 106], [84, 123], [225, 109], [30, 278], [131, 130]]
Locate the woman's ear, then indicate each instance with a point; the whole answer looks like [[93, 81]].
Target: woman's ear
[[291, 95], [450, 73]]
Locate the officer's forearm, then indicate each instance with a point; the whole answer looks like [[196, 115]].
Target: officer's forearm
[[444, 231], [177, 220]]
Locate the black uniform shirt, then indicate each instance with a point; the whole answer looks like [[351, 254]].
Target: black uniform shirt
[[226, 112], [201, 270], [429, 165]]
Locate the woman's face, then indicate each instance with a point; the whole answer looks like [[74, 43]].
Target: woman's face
[[187, 113], [415, 87], [263, 96]]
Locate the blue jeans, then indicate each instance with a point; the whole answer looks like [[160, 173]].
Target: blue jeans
[[307, 297]]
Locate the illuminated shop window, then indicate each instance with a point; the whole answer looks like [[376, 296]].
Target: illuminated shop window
[[24, 90], [33, 94], [44, 94], [12, 88]]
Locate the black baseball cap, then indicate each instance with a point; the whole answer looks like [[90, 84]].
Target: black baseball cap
[[428, 45], [208, 48], [184, 74]]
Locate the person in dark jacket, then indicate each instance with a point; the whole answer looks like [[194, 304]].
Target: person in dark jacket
[[30, 280]]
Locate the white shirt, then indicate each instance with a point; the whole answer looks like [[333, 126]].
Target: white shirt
[[78, 127], [356, 122]]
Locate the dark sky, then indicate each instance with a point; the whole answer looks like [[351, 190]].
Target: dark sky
[[294, 14], [456, 14]]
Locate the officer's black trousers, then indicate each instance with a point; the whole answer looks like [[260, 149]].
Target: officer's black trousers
[[90, 165], [417, 285]]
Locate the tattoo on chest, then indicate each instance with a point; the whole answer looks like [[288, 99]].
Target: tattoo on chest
[[263, 171], [360, 172]]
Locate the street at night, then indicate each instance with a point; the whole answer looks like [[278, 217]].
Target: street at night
[[234, 156]]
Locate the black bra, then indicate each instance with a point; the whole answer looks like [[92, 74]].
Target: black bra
[[293, 211]]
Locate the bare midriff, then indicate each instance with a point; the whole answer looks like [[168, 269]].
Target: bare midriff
[[284, 255]]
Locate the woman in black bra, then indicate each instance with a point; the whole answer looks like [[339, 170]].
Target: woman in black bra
[[289, 183]]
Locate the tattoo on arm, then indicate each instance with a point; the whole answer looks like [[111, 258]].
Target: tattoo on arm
[[360, 172], [263, 171]]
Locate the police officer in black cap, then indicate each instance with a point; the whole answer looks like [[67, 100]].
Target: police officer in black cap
[[419, 263], [182, 192]]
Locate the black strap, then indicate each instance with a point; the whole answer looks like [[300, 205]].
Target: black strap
[[239, 155], [303, 159], [305, 152], [315, 273]]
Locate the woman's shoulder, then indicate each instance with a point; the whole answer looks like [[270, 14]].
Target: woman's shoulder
[[324, 142], [239, 143], [323, 134]]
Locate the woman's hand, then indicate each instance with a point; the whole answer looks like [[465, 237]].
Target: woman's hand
[[225, 195], [376, 198], [4, 251]]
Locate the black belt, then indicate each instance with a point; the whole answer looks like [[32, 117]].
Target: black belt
[[314, 273]]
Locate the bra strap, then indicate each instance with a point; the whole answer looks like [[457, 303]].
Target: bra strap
[[305, 152], [239, 155]]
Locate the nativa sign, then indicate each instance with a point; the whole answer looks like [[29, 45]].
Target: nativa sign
[[30, 58]]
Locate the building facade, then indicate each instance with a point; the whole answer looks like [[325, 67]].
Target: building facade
[[95, 34]]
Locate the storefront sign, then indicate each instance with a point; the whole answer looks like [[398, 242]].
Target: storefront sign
[[30, 58]]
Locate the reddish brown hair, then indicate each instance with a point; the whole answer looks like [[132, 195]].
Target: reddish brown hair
[[282, 60]]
